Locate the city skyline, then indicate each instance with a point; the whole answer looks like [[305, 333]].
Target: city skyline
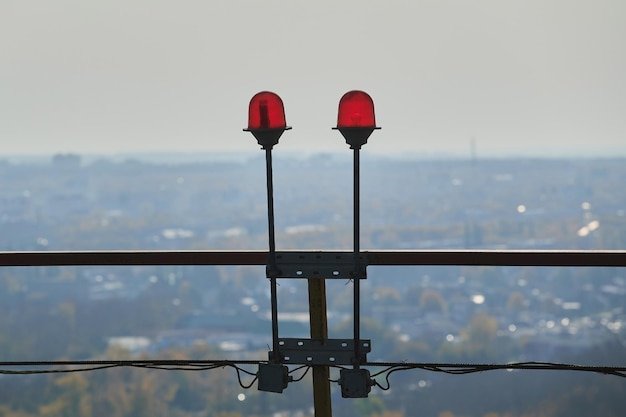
[[523, 78]]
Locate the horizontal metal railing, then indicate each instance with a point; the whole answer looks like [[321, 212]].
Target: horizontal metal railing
[[563, 258]]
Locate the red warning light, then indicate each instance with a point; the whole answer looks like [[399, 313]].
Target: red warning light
[[356, 120], [266, 112], [266, 118], [356, 109]]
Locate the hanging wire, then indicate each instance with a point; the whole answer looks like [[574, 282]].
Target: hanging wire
[[93, 365], [207, 365], [241, 384], [51, 371], [462, 369]]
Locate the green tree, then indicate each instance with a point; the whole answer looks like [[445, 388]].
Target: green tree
[[432, 301]]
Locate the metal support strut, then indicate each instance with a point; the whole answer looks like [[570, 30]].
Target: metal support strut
[[357, 266], [272, 271]]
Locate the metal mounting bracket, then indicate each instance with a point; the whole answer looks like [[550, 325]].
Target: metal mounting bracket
[[295, 351], [323, 265]]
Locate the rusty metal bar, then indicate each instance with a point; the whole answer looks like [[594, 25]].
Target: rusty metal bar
[[499, 258], [574, 258], [122, 258]]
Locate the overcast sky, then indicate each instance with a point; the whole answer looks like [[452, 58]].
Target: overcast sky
[[522, 77]]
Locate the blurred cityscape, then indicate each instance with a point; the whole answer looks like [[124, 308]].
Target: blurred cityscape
[[422, 314]]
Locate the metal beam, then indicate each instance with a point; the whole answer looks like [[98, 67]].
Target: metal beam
[[124, 257], [575, 258], [499, 258]]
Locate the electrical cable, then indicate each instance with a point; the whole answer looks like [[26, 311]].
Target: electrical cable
[[462, 369], [205, 365], [93, 365], [301, 377], [53, 371], [241, 384]]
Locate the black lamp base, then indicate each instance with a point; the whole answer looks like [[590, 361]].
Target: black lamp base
[[267, 138], [356, 136]]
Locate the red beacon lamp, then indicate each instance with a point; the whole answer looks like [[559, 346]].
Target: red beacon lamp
[[266, 118], [266, 122], [356, 120]]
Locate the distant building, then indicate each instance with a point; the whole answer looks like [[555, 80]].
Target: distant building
[[16, 208], [66, 161]]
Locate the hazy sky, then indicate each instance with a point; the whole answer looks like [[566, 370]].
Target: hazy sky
[[523, 77]]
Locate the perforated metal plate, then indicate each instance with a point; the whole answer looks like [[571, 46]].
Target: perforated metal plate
[[321, 352], [326, 265]]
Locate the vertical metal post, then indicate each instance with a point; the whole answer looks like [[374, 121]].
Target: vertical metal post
[[319, 330], [272, 268], [357, 266]]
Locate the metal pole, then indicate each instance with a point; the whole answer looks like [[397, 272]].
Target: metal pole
[[319, 330], [271, 273], [357, 267]]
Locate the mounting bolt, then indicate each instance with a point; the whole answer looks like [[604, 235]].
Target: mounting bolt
[[355, 383]]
